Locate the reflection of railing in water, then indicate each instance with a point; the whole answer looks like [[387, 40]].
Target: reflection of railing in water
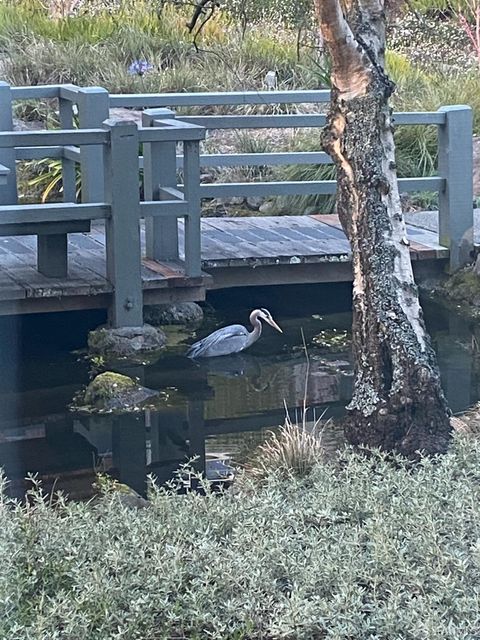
[[159, 443], [265, 385]]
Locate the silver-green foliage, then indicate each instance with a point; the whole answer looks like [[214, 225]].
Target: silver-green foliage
[[432, 44], [365, 549], [292, 14]]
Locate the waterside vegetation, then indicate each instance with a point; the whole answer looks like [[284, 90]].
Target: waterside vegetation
[[368, 547]]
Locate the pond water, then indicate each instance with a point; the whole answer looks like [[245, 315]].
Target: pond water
[[216, 409]]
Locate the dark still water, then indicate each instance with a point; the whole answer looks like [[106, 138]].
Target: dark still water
[[215, 409]]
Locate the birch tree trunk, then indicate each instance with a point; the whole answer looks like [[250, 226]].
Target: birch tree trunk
[[398, 401]]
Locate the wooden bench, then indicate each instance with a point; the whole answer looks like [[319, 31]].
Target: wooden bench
[[52, 242], [52, 238]]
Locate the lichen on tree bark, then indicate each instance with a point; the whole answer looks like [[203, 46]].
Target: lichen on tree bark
[[398, 402]]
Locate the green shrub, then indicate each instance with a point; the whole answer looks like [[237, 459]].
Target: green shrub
[[416, 150], [291, 14], [443, 90], [367, 548]]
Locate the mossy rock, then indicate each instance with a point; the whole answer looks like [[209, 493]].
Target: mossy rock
[[106, 487], [111, 391], [464, 286], [468, 422], [461, 289]]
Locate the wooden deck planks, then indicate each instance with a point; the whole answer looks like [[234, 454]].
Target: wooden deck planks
[[268, 240], [423, 242], [226, 242]]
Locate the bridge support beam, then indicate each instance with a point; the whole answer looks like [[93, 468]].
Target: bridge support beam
[[122, 229]]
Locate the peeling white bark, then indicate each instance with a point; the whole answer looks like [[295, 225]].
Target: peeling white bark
[[349, 71], [407, 296]]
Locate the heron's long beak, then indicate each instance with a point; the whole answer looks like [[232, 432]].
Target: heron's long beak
[[272, 323]]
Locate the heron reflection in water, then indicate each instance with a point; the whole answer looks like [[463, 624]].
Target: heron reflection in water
[[232, 339]]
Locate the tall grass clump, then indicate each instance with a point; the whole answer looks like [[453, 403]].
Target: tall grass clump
[[293, 450], [441, 90], [295, 204], [370, 547]]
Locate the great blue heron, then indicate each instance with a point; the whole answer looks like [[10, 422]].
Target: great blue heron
[[232, 339]]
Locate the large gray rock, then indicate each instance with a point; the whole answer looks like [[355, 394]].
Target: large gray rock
[[27, 125], [126, 342], [254, 203], [179, 313]]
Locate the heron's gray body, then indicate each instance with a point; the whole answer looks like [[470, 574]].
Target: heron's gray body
[[222, 342], [232, 339]]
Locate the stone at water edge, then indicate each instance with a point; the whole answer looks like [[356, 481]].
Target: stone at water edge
[[179, 313], [462, 288], [111, 391], [126, 342], [267, 208]]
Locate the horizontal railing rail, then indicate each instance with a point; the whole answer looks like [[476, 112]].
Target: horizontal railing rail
[[297, 121], [260, 159], [227, 98], [304, 187], [53, 212], [166, 132], [56, 138], [38, 92]]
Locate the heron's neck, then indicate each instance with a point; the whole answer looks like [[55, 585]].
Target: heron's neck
[[254, 335]]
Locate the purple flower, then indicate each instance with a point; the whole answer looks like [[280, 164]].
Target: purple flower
[[139, 67]]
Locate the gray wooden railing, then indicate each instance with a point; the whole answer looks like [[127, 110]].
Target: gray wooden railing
[[112, 195], [105, 153], [453, 182]]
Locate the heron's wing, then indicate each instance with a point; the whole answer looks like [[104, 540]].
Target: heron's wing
[[222, 342]]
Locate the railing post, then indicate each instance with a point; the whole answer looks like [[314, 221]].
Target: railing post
[[191, 190], [455, 164], [52, 249], [68, 166], [8, 191], [122, 229], [159, 170], [93, 110]]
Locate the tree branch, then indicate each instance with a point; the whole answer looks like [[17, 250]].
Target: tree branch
[[197, 12]]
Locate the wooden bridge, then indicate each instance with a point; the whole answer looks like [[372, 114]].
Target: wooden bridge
[[123, 246]]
